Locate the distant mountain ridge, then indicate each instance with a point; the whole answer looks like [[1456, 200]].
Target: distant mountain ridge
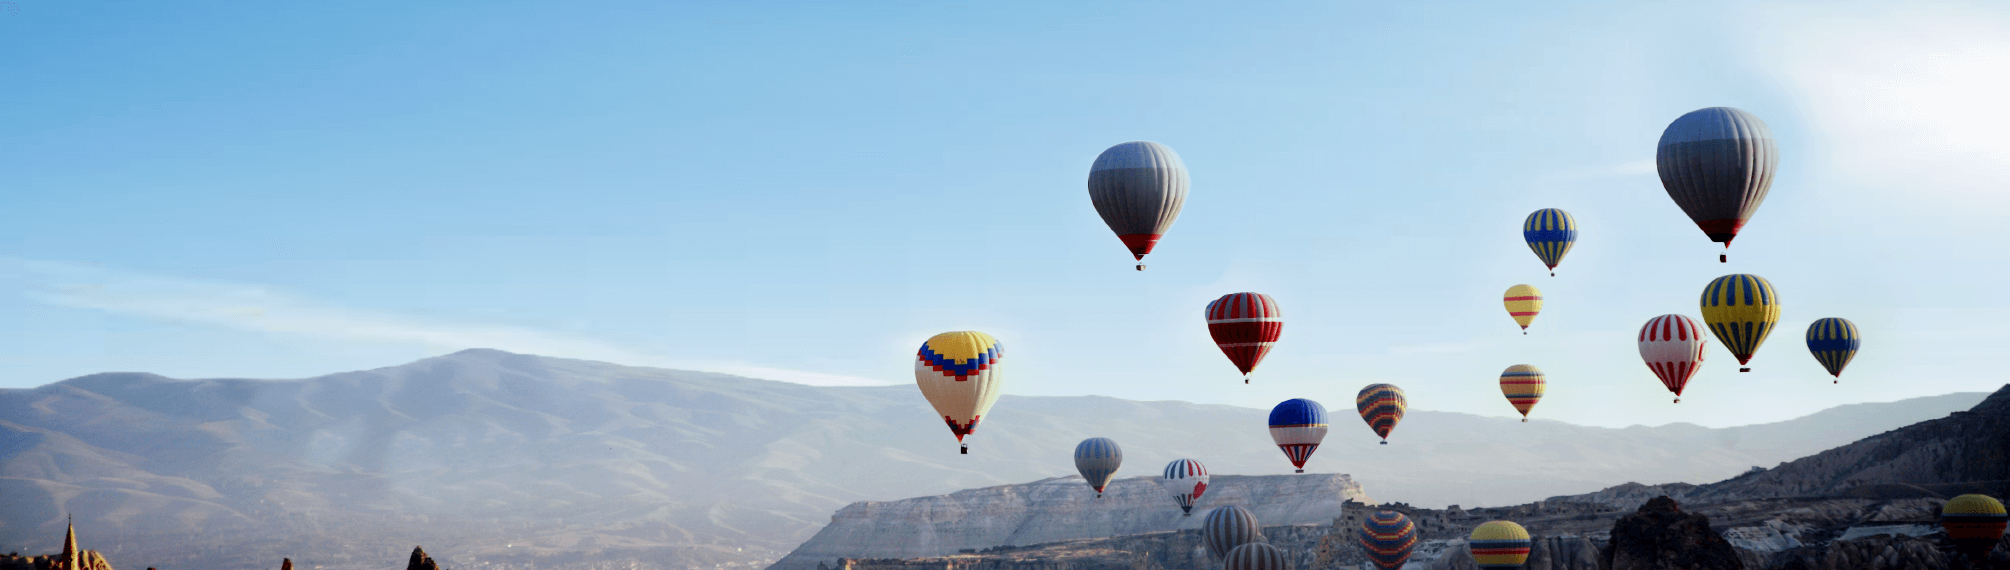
[[484, 455]]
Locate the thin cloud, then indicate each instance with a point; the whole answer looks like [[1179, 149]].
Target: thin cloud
[[263, 309]]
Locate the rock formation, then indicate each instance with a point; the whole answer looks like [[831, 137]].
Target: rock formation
[[420, 561], [71, 558], [1058, 509], [1661, 537]]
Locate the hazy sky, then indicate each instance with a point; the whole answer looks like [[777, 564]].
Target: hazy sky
[[806, 191]]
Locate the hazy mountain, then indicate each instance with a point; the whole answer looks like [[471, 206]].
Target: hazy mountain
[[490, 456]]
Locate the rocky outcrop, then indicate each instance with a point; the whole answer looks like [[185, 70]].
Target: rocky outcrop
[[86, 560], [1059, 509], [420, 561], [1661, 537]]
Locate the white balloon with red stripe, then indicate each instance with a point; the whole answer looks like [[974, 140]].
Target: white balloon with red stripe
[[1186, 481], [1673, 347]]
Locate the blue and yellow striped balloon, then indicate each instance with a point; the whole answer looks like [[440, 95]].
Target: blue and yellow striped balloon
[[1975, 523], [1381, 405], [1499, 545], [1550, 232], [1741, 309], [1834, 342], [1387, 538]]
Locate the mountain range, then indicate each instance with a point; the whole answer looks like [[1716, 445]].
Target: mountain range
[[495, 456]]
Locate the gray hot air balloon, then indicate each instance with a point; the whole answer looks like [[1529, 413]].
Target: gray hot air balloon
[[1138, 188], [1097, 458], [1256, 556], [1717, 164], [1229, 527]]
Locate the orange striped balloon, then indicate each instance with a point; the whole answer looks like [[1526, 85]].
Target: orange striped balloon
[[1522, 384]]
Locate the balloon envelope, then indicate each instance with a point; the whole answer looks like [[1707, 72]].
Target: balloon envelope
[[1256, 556], [1834, 342], [1550, 232], [1097, 458], [1245, 326], [1975, 523], [1381, 405], [1387, 537], [1186, 481], [1523, 302], [960, 373], [1298, 425], [1741, 309], [1717, 164], [1673, 347], [1499, 545], [1138, 188], [1228, 527], [1523, 385]]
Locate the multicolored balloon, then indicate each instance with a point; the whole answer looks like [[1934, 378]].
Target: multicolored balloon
[[1522, 384], [1717, 164], [1523, 302], [1975, 523], [1228, 527], [1387, 537], [1138, 188], [961, 374], [1673, 347], [1256, 556], [1381, 405], [1550, 232], [1741, 309], [1245, 326], [1834, 342], [1298, 425], [1186, 480], [1499, 545], [1098, 458]]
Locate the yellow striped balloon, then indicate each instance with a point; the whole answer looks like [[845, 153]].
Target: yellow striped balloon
[[1522, 302], [1522, 384], [1975, 523], [1741, 309], [1499, 545], [960, 373]]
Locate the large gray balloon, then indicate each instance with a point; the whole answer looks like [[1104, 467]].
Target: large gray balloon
[[1097, 458], [1257, 556], [1717, 164], [1138, 188], [1229, 527]]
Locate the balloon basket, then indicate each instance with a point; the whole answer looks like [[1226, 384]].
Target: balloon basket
[[1187, 514], [1678, 400], [1299, 471], [1141, 267], [1721, 258], [1385, 443], [1524, 420], [1744, 369], [966, 450]]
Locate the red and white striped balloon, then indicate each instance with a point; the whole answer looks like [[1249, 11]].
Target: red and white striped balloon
[[1673, 347], [1245, 326]]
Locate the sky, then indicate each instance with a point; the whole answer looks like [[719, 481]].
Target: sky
[[806, 191]]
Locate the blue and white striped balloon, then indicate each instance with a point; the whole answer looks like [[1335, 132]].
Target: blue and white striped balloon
[[1097, 458], [1185, 480]]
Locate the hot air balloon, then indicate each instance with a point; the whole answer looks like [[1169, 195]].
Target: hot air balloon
[[1256, 556], [1499, 545], [1245, 326], [1381, 405], [1550, 232], [1298, 425], [1228, 527], [1673, 347], [1186, 480], [1098, 458], [1742, 309], [1522, 302], [1387, 538], [1975, 523], [960, 373], [1717, 164], [1522, 384], [1834, 342], [1138, 188]]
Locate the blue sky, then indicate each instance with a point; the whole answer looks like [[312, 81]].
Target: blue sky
[[805, 191]]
